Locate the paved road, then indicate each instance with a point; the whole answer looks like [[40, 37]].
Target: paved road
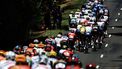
[[109, 57]]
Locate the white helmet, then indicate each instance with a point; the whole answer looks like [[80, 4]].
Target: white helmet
[[36, 41], [25, 47], [60, 65], [10, 55], [59, 35]]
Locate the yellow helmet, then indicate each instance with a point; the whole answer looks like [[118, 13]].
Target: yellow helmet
[[52, 53], [20, 58], [2, 52]]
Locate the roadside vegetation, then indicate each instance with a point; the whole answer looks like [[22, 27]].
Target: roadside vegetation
[[72, 5]]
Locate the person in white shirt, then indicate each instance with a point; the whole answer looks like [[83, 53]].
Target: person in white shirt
[[6, 64], [58, 40], [101, 25], [88, 33]]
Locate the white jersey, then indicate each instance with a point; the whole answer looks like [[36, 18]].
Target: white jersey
[[64, 38], [44, 58], [91, 22], [40, 66], [10, 55], [6, 64], [28, 60], [101, 11], [58, 40], [88, 29], [53, 60], [39, 50], [35, 59], [105, 18], [100, 23]]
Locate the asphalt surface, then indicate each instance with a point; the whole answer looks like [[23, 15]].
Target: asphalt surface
[[110, 56]]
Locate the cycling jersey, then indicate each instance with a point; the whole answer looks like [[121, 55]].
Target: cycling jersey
[[6, 64], [91, 22], [104, 19], [88, 30], [53, 60], [101, 11], [71, 35], [58, 40], [35, 59], [43, 59], [41, 66], [101, 25], [82, 30], [64, 38], [79, 26]]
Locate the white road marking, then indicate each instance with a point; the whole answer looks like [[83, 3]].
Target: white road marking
[[101, 56], [121, 9], [116, 20], [119, 14], [106, 45], [109, 36], [97, 67], [113, 27]]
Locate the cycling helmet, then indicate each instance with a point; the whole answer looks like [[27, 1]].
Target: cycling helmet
[[25, 47], [90, 66], [47, 48], [52, 53], [20, 58], [2, 53], [36, 41], [59, 35], [64, 46], [17, 47], [72, 12], [10, 55], [31, 45], [60, 65]]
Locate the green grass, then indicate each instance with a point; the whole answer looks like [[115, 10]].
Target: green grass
[[76, 4], [48, 33]]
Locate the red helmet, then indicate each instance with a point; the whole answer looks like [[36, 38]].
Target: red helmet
[[90, 66]]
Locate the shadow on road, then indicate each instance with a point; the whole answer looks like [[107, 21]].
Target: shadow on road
[[116, 26], [116, 47], [117, 60], [116, 34]]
